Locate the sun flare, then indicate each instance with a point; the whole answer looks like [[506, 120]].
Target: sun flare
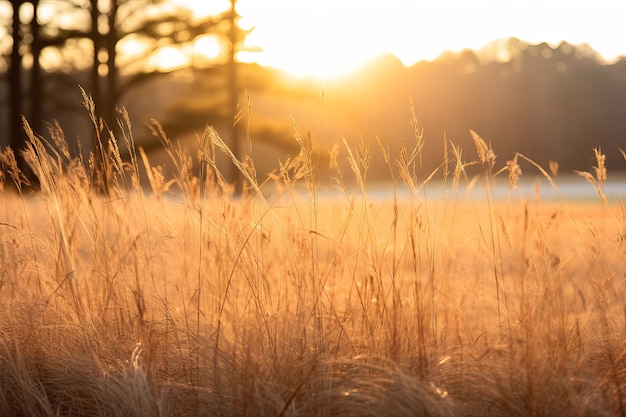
[[168, 58], [319, 56], [307, 38], [328, 38]]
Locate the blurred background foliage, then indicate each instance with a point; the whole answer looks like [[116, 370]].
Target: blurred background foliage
[[550, 102]]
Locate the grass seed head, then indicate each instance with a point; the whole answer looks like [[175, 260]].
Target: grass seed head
[[601, 168], [554, 167], [485, 154], [515, 171]]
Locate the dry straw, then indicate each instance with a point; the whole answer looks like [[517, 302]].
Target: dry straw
[[173, 297], [600, 178]]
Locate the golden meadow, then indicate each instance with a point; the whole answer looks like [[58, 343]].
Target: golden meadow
[[181, 298]]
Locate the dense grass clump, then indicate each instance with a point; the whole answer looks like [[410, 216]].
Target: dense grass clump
[[183, 299]]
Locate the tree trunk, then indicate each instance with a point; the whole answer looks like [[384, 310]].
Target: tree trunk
[[111, 94], [94, 84], [17, 138], [233, 88], [36, 91]]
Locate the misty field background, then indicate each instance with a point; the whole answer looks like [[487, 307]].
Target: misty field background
[[175, 296]]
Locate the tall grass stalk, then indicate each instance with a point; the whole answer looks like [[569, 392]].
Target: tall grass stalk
[[170, 296], [487, 160]]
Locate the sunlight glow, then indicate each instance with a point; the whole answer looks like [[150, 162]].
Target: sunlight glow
[[168, 58], [204, 7], [322, 55], [311, 38], [329, 37], [209, 46], [326, 38]]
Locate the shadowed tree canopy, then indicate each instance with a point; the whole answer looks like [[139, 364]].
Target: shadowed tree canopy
[[109, 47]]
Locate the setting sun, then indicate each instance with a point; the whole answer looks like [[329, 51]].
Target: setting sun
[[322, 39], [326, 38]]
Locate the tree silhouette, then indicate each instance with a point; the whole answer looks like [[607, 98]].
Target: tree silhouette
[[100, 31], [16, 133]]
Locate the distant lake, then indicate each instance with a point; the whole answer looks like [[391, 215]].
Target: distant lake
[[573, 188]]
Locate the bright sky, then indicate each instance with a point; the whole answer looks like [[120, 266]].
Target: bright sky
[[324, 38]]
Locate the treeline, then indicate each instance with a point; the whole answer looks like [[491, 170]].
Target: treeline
[[110, 48], [548, 102], [551, 103]]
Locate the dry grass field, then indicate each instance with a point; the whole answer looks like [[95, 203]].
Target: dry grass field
[[181, 299]]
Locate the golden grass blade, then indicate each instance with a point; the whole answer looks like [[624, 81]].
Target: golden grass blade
[[235, 306], [544, 173]]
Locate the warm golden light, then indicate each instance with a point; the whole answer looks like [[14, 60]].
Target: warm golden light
[[210, 46], [168, 58], [326, 38], [204, 7], [330, 38], [306, 38]]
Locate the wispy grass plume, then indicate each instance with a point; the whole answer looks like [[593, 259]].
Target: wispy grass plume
[[136, 289]]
